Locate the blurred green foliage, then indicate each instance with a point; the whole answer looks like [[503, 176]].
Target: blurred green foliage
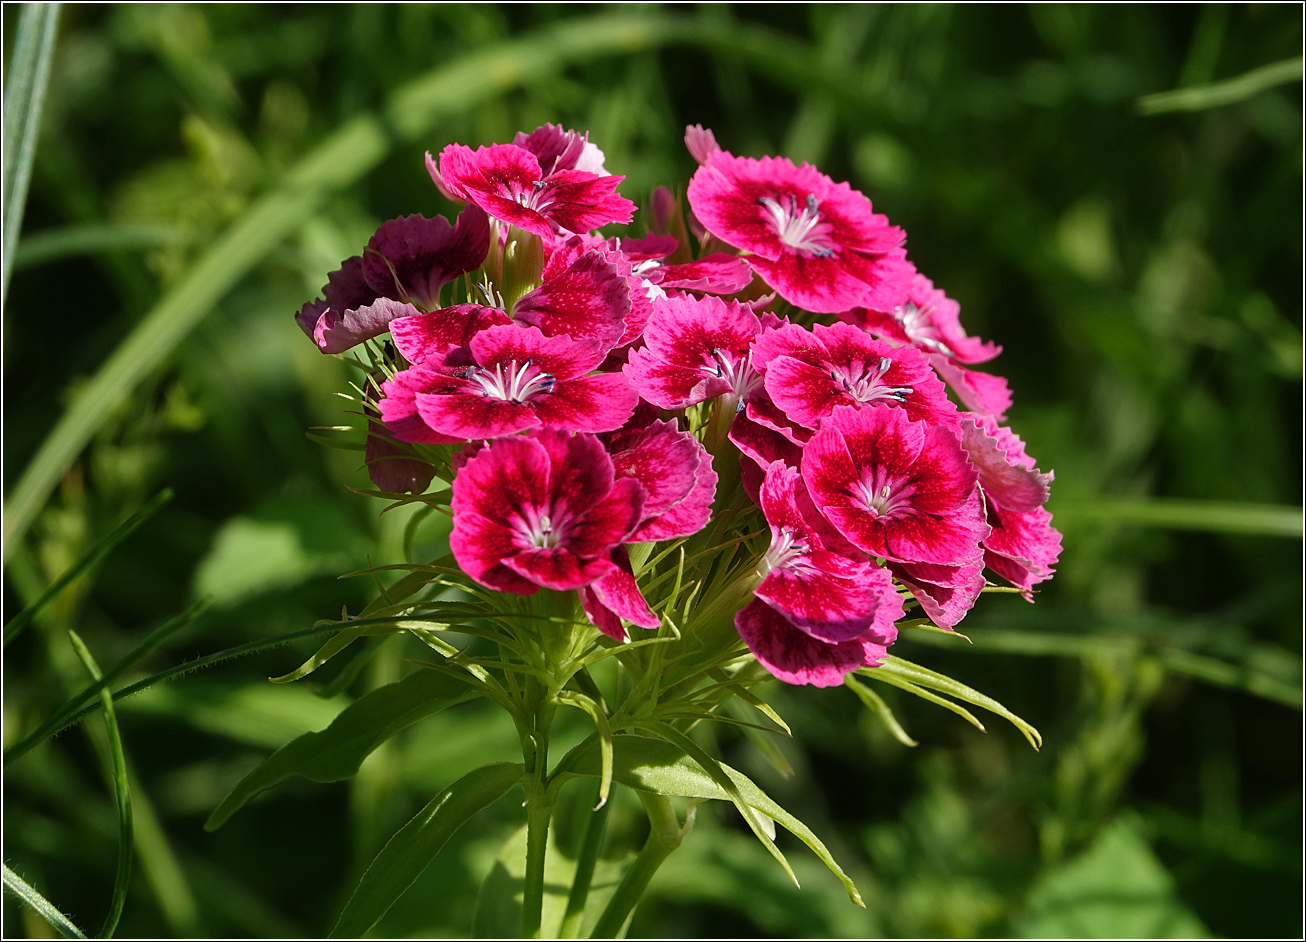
[[1143, 273]]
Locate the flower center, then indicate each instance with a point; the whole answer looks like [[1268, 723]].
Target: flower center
[[513, 383], [883, 498], [801, 230], [787, 552], [918, 324], [537, 197], [865, 383], [739, 373], [543, 530]]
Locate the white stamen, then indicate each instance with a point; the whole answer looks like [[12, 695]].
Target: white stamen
[[865, 385], [513, 383], [798, 229]]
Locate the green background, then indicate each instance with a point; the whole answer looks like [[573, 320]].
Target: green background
[[1142, 271]]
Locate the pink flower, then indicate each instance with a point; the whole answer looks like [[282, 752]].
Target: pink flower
[[928, 320], [979, 392], [901, 490], [695, 349], [559, 149], [1023, 545], [443, 338], [701, 143], [832, 596], [544, 510], [676, 473], [518, 379], [508, 182], [945, 593], [615, 596], [810, 373], [796, 657], [584, 292], [815, 242]]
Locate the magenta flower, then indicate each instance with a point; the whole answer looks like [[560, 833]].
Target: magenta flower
[[810, 373], [583, 292], [796, 657], [945, 593], [557, 149], [543, 510], [1023, 545], [901, 490], [978, 392], [615, 596], [443, 338], [518, 379], [815, 242], [508, 183], [407, 261], [829, 595], [928, 320], [701, 143], [695, 349], [719, 273], [676, 473]]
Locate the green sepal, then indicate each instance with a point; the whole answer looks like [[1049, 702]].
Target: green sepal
[[415, 845], [336, 752]]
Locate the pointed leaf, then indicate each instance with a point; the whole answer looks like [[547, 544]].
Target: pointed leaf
[[877, 706], [29, 895], [336, 752], [415, 845]]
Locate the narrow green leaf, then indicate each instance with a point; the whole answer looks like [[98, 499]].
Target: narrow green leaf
[[1175, 514], [89, 559], [914, 690], [90, 238], [29, 895], [875, 703], [415, 845], [335, 753], [65, 714], [660, 767], [582, 702], [723, 778], [914, 673], [1216, 94], [121, 792], [28, 75]]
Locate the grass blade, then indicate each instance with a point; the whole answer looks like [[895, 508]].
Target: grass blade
[[90, 238], [121, 792], [1217, 94], [29, 73], [92, 556], [29, 895], [61, 717], [1209, 515]]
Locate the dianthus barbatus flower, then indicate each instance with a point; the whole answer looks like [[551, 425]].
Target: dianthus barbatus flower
[[1023, 545], [830, 595], [817, 243], [407, 261], [809, 373], [796, 657], [508, 183], [897, 489], [557, 148], [696, 349], [518, 379], [541, 510]]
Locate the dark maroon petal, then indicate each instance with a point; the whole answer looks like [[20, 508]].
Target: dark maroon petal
[[556, 568], [648, 247], [346, 288], [412, 257], [945, 593], [338, 331], [589, 299], [431, 338], [392, 467], [580, 470], [792, 655], [309, 315], [608, 522], [553, 146], [1005, 484], [598, 403], [479, 545]]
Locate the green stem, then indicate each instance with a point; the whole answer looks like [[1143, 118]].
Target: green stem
[[539, 807], [665, 835], [595, 830]]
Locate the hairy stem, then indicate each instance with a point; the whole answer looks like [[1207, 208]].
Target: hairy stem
[[665, 835]]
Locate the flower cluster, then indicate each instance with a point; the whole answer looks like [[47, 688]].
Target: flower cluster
[[782, 393]]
